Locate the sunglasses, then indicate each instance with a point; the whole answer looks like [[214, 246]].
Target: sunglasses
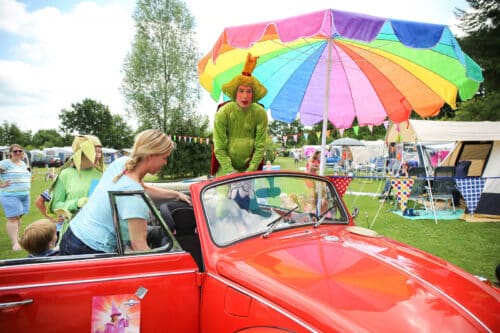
[[17, 151]]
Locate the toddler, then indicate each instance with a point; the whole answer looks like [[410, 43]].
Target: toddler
[[39, 239]]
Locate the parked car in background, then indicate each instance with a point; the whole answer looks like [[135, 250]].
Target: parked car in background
[[46, 161], [269, 251]]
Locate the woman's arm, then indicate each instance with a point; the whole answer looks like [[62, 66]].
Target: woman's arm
[[138, 232], [157, 193]]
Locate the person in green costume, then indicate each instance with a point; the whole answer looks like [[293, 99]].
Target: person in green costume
[[240, 126], [80, 174]]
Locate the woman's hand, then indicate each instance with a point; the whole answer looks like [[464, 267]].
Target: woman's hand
[[5, 184], [183, 197]]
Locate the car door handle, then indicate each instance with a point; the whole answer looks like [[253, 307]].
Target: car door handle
[[14, 304]]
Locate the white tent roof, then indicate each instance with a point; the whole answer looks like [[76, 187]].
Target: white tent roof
[[371, 149], [433, 130]]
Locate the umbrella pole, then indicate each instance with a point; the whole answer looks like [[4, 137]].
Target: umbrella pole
[[325, 108]]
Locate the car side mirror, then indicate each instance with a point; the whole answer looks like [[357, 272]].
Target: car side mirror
[[355, 213]]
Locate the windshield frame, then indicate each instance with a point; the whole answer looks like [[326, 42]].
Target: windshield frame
[[217, 196]]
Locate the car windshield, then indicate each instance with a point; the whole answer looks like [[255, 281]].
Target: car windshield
[[261, 205]]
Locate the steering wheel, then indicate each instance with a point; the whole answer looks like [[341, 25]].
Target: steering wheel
[[167, 216], [157, 238]]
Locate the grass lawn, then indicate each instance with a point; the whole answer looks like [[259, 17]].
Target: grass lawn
[[471, 246]]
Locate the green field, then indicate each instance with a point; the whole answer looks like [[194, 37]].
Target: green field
[[471, 246]]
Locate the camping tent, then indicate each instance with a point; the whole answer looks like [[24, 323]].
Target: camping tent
[[366, 153], [477, 141]]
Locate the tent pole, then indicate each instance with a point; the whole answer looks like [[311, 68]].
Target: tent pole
[[325, 109], [421, 153]]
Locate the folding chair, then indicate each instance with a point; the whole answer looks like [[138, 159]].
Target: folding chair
[[379, 167], [419, 189], [443, 185]]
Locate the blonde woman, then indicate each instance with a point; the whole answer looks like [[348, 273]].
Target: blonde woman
[[92, 229], [15, 185]]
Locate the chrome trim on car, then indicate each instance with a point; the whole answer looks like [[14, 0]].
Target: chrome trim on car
[[123, 277], [265, 301]]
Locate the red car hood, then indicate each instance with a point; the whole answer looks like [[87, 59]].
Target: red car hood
[[333, 278]]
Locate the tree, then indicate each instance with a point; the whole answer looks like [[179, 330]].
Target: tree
[[279, 129], [120, 134], [481, 108], [160, 83], [482, 42], [91, 117], [10, 134], [47, 138]]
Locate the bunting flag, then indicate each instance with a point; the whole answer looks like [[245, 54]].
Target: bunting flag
[[328, 133], [284, 139], [370, 127], [386, 124], [341, 131], [402, 186], [190, 139], [341, 184], [306, 135], [471, 189], [295, 137], [356, 129], [318, 134]]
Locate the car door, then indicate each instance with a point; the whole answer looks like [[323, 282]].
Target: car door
[[151, 291]]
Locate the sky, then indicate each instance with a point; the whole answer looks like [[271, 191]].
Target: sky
[[54, 53]]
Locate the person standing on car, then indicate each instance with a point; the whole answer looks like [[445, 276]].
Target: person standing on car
[[240, 126], [92, 229], [15, 187]]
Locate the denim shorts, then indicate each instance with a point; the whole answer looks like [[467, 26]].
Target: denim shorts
[[15, 205], [70, 244]]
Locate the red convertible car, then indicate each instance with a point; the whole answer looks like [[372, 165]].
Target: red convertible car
[[257, 252]]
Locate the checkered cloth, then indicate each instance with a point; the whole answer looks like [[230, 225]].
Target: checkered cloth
[[341, 184], [402, 186], [471, 189]]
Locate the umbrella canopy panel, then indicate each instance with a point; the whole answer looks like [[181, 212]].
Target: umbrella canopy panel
[[347, 66]]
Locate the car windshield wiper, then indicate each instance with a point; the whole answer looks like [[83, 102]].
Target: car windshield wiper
[[322, 217], [273, 224]]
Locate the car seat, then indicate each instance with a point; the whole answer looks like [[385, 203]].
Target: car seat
[[179, 217]]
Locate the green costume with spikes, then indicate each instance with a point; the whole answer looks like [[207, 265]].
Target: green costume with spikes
[[240, 137], [240, 134]]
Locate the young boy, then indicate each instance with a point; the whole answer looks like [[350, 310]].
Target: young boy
[[39, 239]]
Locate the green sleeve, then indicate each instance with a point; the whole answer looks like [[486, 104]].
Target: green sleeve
[[221, 139], [260, 139], [59, 198]]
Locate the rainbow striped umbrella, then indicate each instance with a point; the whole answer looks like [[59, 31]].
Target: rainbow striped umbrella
[[338, 66], [361, 66]]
